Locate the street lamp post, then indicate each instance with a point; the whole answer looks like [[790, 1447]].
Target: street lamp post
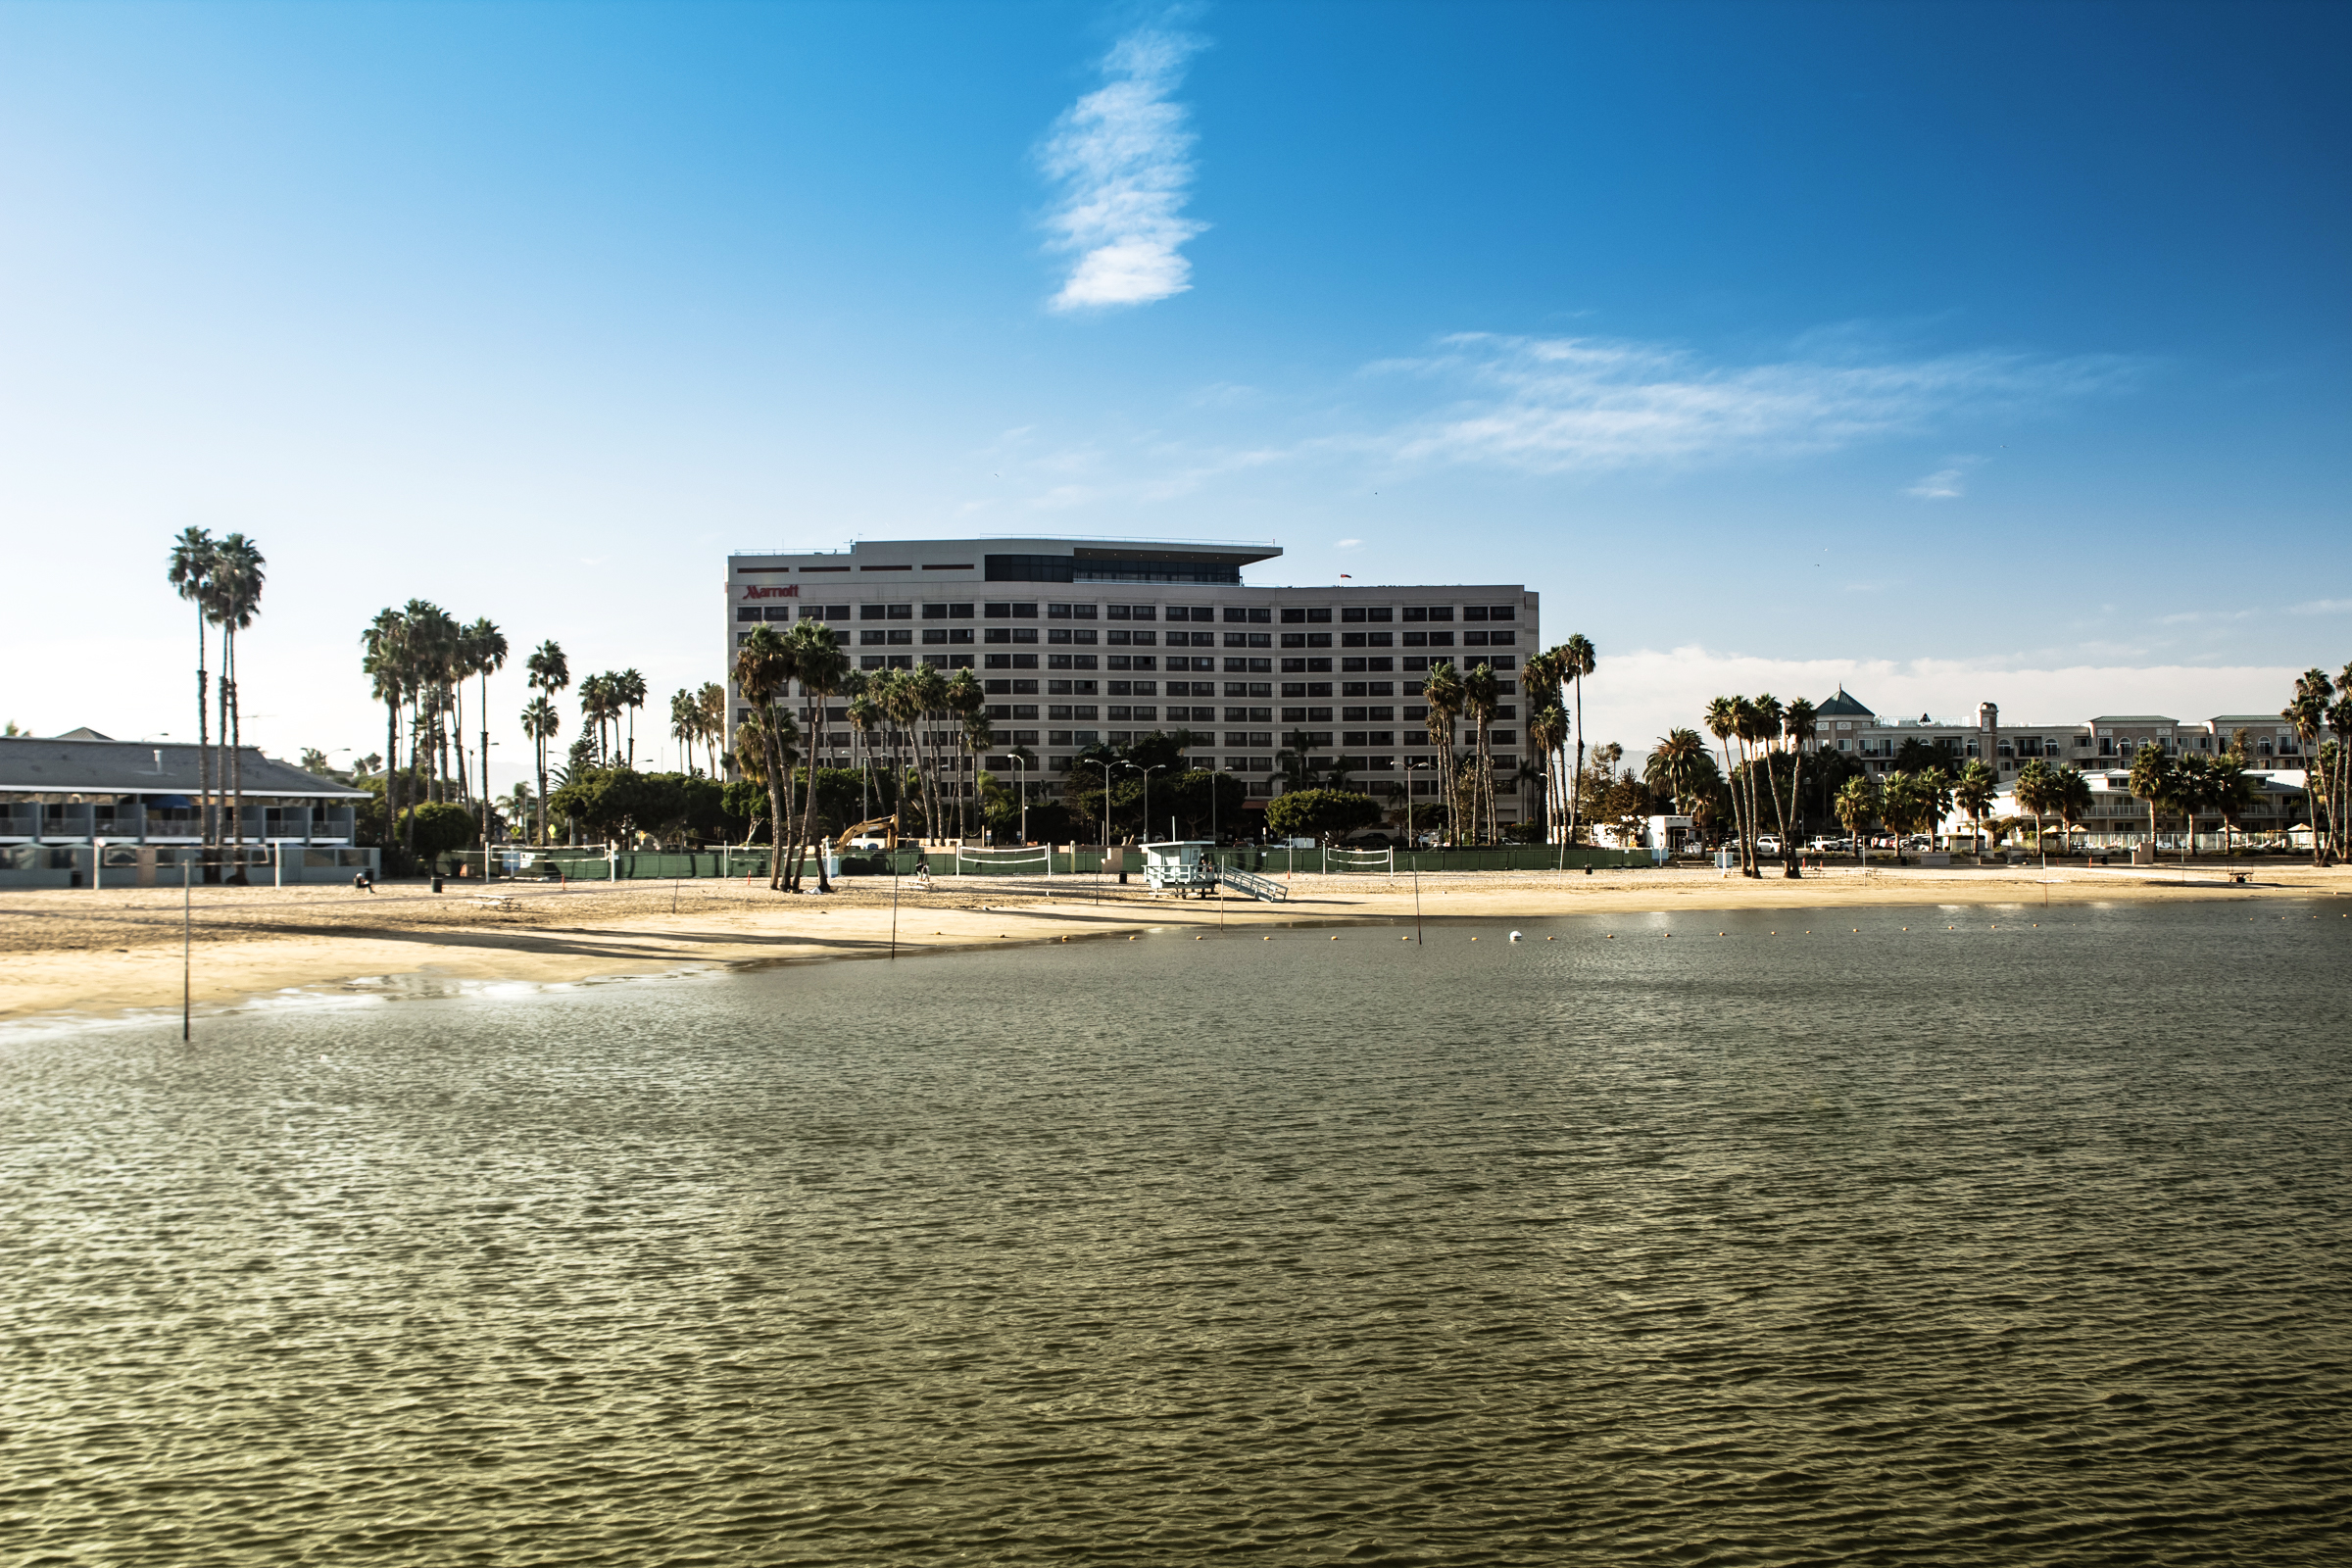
[[1147, 772]]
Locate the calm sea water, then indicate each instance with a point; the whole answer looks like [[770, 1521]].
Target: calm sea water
[[2015, 1245]]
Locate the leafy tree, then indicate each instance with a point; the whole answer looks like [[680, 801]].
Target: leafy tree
[[1202, 799], [436, 827], [743, 802], [609, 801], [1324, 814]]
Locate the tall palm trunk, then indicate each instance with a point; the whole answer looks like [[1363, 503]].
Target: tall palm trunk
[[236, 758], [1780, 815], [222, 823], [204, 741], [778, 781], [1576, 776], [817, 713], [1486, 777], [1796, 774], [417, 753], [392, 768]]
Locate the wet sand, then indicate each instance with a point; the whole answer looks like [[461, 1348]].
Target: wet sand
[[114, 951]]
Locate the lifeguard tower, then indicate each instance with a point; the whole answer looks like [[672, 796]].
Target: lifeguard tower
[[1185, 867]]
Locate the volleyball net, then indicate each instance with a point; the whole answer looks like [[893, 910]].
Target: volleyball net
[[1381, 861], [1034, 861]]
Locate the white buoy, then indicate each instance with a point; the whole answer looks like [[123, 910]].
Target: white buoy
[[1514, 936]]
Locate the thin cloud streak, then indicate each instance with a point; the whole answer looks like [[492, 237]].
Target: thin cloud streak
[[1122, 155], [1568, 405]]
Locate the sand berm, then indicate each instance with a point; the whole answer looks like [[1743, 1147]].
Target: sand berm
[[115, 951]]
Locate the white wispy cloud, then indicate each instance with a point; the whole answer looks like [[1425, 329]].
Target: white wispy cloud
[[1561, 405], [1349, 544], [1123, 156], [1944, 484]]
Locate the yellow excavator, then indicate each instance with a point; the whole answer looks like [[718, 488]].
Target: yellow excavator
[[890, 834]]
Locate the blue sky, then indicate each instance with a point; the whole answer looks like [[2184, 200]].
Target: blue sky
[[1958, 353]]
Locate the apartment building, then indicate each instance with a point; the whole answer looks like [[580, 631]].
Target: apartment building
[[2107, 741], [2100, 747], [1080, 642]]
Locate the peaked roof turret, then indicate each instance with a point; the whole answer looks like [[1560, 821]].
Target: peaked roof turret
[[1844, 706]]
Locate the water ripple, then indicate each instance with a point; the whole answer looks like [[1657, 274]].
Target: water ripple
[[1941, 1247]]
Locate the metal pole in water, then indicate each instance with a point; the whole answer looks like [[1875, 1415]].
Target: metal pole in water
[[893, 904], [187, 928]]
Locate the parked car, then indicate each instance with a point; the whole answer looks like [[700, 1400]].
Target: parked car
[[1767, 844]]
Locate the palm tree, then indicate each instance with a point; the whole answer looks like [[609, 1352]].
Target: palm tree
[[236, 598], [1800, 724], [1547, 734], [711, 702], [2230, 790], [927, 693], [1747, 721], [866, 716], [541, 719], [2340, 777], [967, 705], [1673, 763], [432, 647], [189, 570], [820, 664], [547, 672], [686, 725], [1856, 803], [486, 649], [2072, 798], [1723, 722], [1443, 691], [2042, 790], [763, 672], [1973, 793], [1481, 692], [384, 659], [2152, 776], [1294, 766], [1771, 726], [1576, 661], [2308, 715], [1540, 680], [596, 709], [979, 734], [628, 694]]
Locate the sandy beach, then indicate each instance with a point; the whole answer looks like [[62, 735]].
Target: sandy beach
[[118, 949]]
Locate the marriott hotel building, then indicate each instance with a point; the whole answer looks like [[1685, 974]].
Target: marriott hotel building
[[1079, 642]]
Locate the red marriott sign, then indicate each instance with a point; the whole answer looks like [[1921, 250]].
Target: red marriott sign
[[780, 590]]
